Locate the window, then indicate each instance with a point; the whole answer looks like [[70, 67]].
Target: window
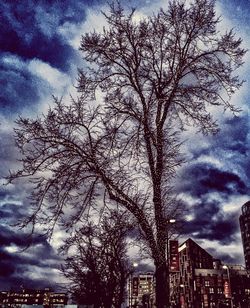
[[211, 290], [206, 283]]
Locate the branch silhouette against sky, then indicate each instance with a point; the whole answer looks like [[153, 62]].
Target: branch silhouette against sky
[[37, 64]]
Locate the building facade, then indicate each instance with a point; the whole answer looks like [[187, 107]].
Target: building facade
[[211, 288], [245, 232], [197, 281], [191, 257], [45, 297], [141, 290], [204, 282]]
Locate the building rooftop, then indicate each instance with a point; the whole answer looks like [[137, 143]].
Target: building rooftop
[[246, 208]]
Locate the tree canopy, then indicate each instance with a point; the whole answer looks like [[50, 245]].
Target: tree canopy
[[156, 76], [99, 267]]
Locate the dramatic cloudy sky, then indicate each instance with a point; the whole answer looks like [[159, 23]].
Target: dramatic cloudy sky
[[39, 57]]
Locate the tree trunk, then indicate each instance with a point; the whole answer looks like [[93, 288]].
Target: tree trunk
[[162, 285]]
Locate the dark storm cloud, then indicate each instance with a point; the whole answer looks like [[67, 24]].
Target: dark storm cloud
[[233, 137], [30, 29], [10, 212], [203, 178], [217, 174], [222, 255], [209, 222], [143, 268], [15, 267], [19, 87], [9, 155], [230, 148]]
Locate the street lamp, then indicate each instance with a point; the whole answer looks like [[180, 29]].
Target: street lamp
[[134, 266], [229, 282], [182, 293], [170, 222]]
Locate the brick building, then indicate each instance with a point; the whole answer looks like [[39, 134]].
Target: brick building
[[141, 290], [245, 232], [203, 282], [45, 297], [191, 257]]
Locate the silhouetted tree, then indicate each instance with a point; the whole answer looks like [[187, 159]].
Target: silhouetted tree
[[99, 267], [156, 76]]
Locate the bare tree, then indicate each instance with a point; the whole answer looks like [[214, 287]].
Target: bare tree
[[156, 76], [99, 267]]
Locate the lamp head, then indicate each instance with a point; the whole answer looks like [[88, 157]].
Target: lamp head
[[172, 221]]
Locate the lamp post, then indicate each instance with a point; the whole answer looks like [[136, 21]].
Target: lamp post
[[134, 266], [182, 293], [229, 283], [170, 222]]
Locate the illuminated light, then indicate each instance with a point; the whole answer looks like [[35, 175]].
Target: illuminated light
[[172, 220], [182, 247]]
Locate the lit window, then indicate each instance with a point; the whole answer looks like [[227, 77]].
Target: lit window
[[211, 290], [206, 283]]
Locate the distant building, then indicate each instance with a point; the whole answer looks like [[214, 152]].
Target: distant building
[[197, 281], [245, 232], [240, 286], [191, 257], [45, 297], [203, 282], [141, 290]]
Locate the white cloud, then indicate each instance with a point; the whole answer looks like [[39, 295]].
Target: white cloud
[[36, 272], [57, 80], [12, 248], [59, 84], [233, 250], [190, 200], [212, 197], [234, 204], [189, 217], [58, 238], [6, 125], [73, 32], [13, 61], [208, 159]]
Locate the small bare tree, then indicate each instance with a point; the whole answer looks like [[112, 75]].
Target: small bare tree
[[156, 76], [99, 267]]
